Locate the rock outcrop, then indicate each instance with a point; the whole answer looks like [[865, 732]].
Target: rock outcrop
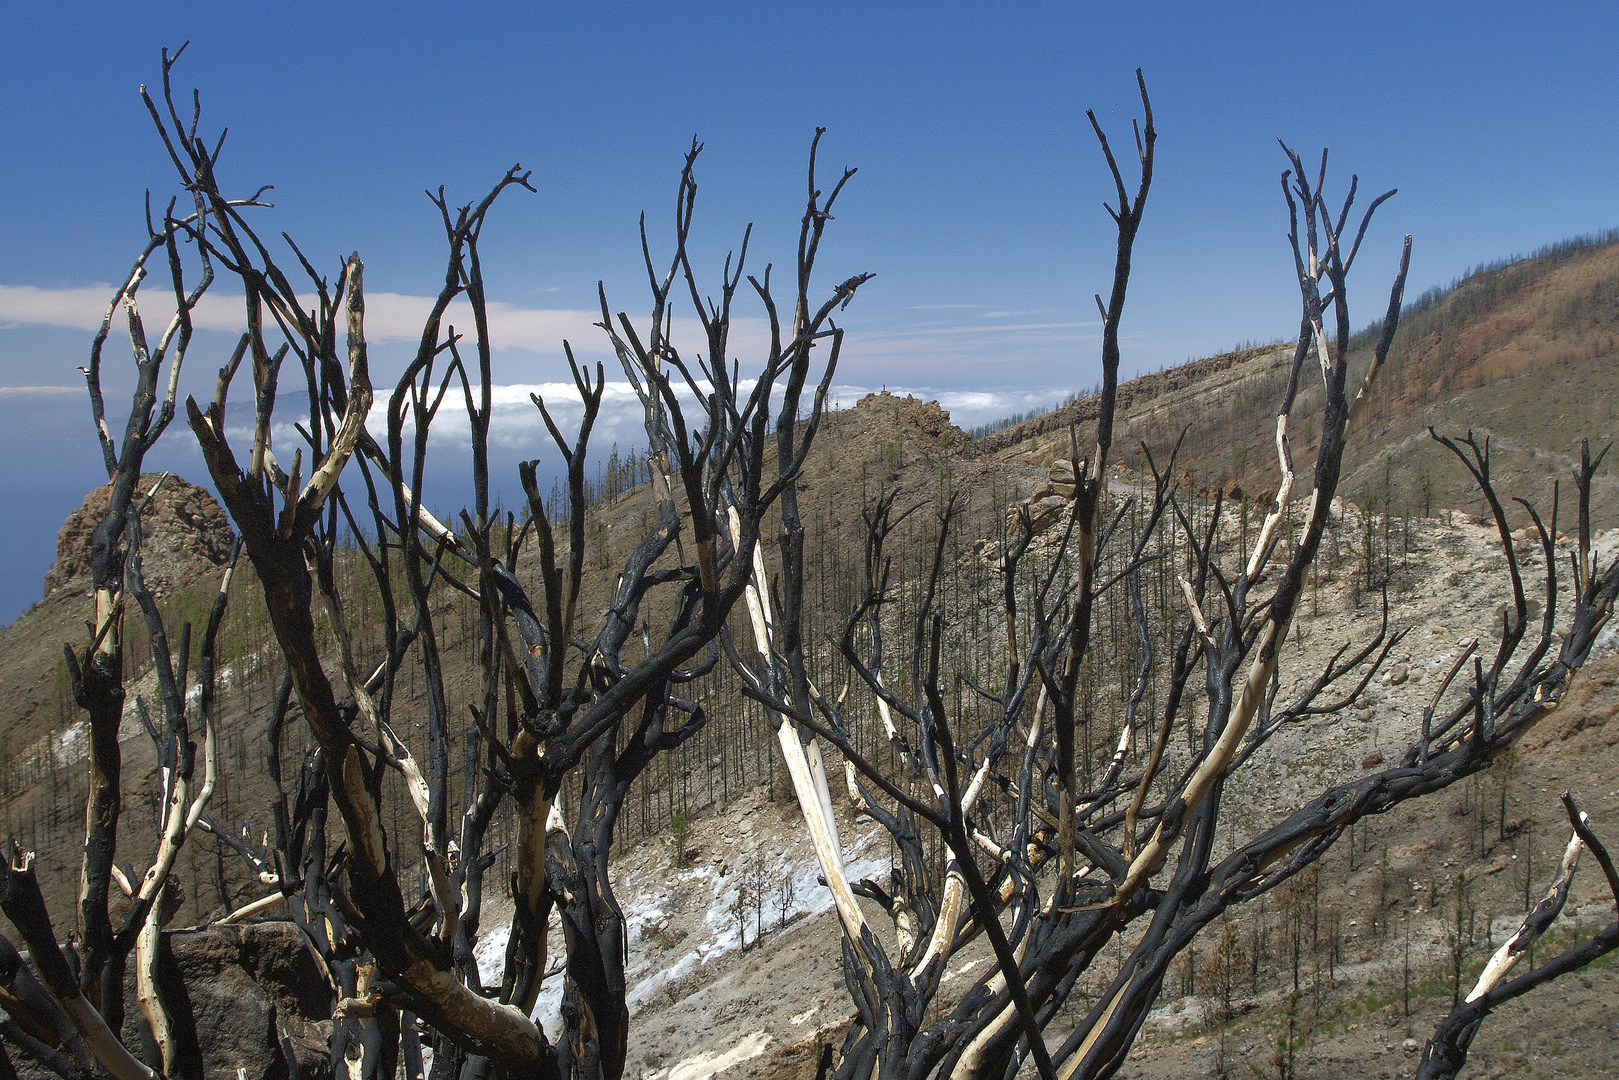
[[887, 422], [1050, 502], [184, 533]]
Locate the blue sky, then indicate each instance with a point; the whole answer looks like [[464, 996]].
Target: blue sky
[[977, 204]]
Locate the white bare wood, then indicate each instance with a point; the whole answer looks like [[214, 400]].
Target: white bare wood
[[815, 809], [1506, 957], [257, 907], [1284, 460], [146, 995]]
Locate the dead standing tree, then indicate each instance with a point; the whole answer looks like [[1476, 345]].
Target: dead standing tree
[[68, 1018], [1069, 870], [569, 697], [1052, 874], [562, 701]]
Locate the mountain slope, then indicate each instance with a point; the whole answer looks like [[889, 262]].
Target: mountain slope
[[1524, 353]]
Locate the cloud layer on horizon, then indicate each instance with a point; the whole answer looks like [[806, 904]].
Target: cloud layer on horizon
[[931, 348], [516, 428], [388, 316]]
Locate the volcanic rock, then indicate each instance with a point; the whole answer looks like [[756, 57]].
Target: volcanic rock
[[184, 533]]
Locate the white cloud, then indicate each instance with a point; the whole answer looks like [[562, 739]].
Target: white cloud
[[400, 317], [515, 423], [19, 392], [929, 357], [389, 316], [78, 309], [1004, 328], [516, 426]]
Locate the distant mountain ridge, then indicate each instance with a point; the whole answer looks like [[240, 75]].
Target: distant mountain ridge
[[1523, 352]]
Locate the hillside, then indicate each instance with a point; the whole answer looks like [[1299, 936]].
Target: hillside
[[710, 1004], [1523, 352]]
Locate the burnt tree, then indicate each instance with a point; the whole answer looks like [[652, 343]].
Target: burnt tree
[[1050, 869], [575, 698], [567, 696]]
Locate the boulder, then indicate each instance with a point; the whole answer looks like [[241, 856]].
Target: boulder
[[256, 995], [245, 997]]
